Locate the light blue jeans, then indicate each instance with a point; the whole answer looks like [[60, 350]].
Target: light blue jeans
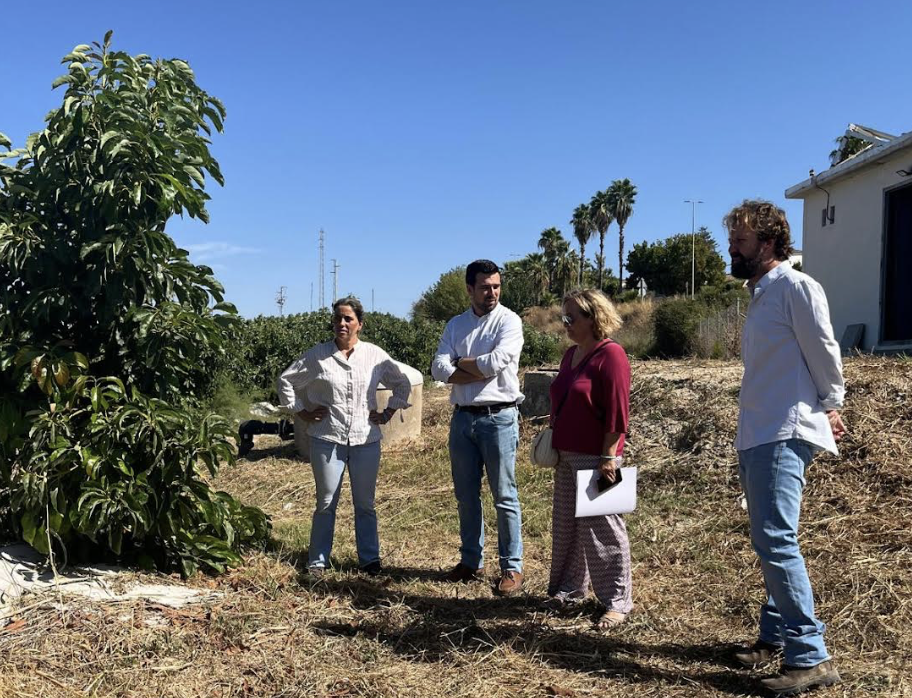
[[482, 443], [772, 478], [328, 461]]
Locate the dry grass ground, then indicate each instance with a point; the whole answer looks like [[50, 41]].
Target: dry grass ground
[[697, 584]]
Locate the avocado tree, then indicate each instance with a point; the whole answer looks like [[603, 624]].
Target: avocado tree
[[104, 323]]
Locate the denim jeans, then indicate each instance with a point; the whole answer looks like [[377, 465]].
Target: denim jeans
[[482, 443], [772, 478], [328, 461]]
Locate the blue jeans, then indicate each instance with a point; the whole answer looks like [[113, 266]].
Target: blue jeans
[[486, 443], [772, 478], [328, 461]]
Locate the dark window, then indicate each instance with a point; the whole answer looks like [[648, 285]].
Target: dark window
[[897, 282]]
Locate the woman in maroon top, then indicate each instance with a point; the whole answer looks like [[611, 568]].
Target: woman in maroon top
[[589, 406]]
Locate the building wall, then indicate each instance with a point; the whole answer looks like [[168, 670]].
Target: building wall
[[845, 256]]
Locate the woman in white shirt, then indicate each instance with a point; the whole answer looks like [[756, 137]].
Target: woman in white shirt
[[333, 388]]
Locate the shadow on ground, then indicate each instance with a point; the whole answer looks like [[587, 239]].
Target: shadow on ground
[[439, 626]]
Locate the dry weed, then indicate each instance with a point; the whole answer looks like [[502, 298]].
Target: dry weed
[[697, 585]]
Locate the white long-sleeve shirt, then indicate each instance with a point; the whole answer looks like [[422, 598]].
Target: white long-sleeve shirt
[[792, 363], [495, 341], [347, 387]]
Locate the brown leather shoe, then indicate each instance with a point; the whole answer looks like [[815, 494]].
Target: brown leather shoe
[[796, 679], [511, 582], [464, 573], [758, 654]]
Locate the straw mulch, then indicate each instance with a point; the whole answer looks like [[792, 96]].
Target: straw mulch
[[697, 584]]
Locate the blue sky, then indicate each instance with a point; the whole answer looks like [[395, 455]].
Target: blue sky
[[422, 135]]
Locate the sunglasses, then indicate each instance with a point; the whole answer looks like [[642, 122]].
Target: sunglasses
[[569, 320]]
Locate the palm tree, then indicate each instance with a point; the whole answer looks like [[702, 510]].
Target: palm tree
[[564, 268], [602, 216], [846, 147], [551, 242], [536, 270], [622, 196], [582, 229]]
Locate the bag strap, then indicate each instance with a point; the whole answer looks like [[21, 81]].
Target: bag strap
[[577, 370]]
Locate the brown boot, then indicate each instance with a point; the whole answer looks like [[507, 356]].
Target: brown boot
[[758, 654], [464, 573], [796, 679], [511, 582]]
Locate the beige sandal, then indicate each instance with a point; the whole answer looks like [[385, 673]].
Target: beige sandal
[[609, 620]]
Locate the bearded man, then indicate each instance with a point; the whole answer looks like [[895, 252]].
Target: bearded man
[[791, 395]]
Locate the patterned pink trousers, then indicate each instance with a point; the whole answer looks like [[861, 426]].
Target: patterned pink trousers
[[592, 548]]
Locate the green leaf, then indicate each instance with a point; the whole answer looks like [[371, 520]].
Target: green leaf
[[115, 539], [29, 527], [5, 141], [61, 374], [62, 80], [195, 174]]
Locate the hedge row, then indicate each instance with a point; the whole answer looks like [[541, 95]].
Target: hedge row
[[262, 347]]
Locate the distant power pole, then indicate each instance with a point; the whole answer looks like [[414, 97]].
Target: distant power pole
[[280, 300], [335, 273], [693, 244], [322, 283], [372, 300]]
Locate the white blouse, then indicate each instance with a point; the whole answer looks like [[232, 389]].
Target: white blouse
[[347, 387]]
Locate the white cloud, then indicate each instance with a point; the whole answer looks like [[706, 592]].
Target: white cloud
[[207, 251]]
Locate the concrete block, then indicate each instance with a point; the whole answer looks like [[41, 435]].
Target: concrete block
[[536, 387]]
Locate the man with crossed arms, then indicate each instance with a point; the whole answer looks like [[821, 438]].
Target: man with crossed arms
[[479, 355]]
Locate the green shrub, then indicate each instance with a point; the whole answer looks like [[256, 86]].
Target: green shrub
[[261, 348], [677, 322], [106, 327], [538, 347]]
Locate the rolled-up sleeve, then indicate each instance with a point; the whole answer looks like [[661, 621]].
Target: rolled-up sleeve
[[442, 365], [811, 324], [395, 379], [292, 379], [507, 348]]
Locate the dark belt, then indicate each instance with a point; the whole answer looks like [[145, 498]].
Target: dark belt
[[485, 409]]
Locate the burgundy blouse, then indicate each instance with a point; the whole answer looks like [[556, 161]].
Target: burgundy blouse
[[598, 401]]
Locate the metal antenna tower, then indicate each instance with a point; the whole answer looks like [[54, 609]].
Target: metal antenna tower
[[322, 282], [335, 273], [280, 300]]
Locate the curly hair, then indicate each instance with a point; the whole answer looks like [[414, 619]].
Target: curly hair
[[767, 220], [595, 304]]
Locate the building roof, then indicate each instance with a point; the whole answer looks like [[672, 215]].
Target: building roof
[[873, 154]]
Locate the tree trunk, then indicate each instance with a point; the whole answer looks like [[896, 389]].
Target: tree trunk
[[601, 258], [582, 264], [620, 259]]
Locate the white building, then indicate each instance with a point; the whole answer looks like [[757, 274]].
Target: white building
[[858, 239]]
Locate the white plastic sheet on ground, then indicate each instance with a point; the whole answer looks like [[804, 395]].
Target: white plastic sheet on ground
[[24, 572]]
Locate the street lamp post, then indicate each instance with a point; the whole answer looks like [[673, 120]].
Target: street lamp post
[[693, 243]]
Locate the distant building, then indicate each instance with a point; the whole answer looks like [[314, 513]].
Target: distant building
[[858, 238]]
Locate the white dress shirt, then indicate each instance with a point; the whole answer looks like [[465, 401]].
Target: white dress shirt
[[495, 341], [347, 387], [792, 363]]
